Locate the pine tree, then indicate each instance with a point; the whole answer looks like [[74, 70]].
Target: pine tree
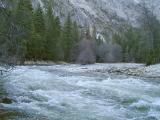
[[57, 38], [76, 41], [8, 32], [39, 22], [25, 22], [39, 33], [52, 33], [24, 15], [49, 29], [150, 25], [5, 15], [67, 38], [76, 33]]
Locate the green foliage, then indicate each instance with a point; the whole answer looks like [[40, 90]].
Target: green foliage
[[32, 34], [140, 45], [36, 51], [24, 14], [8, 32], [67, 38], [39, 22], [70, 39], [76, 33], [53, 33]]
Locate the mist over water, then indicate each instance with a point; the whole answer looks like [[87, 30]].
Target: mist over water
[[71, 92]]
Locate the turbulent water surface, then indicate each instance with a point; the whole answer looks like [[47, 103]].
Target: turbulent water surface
[[74, 92]]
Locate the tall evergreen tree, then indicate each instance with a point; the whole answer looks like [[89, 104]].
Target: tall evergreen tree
[[67, 38], [151, 27], [8, 32], [24, 15], [76, 33], [50, 41], [25, 22], [76, 41], [39, 22], [39, 33], [57, 37]]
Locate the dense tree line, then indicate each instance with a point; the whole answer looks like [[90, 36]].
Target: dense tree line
[[141, 44], [28, 33], [8, 33], [40, 34]]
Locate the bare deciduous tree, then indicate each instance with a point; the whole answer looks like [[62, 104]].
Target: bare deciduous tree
[[87, 50], [109, 52], [86, 54]]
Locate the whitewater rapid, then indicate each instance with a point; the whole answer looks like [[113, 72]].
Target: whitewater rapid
[[75, 92]]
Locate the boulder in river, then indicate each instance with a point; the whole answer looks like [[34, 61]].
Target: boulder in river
[[6, 100]]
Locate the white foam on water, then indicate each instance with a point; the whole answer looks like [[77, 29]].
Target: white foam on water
[[43, 90]]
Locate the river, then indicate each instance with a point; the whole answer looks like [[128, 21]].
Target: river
[[75, 92]]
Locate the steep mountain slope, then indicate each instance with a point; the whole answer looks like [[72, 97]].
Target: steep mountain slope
[[106, 15]]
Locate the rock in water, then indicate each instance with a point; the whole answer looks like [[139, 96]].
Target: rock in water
[[6, 100]]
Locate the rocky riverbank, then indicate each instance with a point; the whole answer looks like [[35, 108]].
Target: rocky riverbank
[[43, 63], [129, 69]]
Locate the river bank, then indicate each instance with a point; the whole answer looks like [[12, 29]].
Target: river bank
[[47, 63], [132, 69]]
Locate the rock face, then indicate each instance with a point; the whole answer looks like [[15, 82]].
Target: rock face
[[105, 15]]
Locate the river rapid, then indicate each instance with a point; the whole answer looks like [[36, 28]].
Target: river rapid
[[75, 92]]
